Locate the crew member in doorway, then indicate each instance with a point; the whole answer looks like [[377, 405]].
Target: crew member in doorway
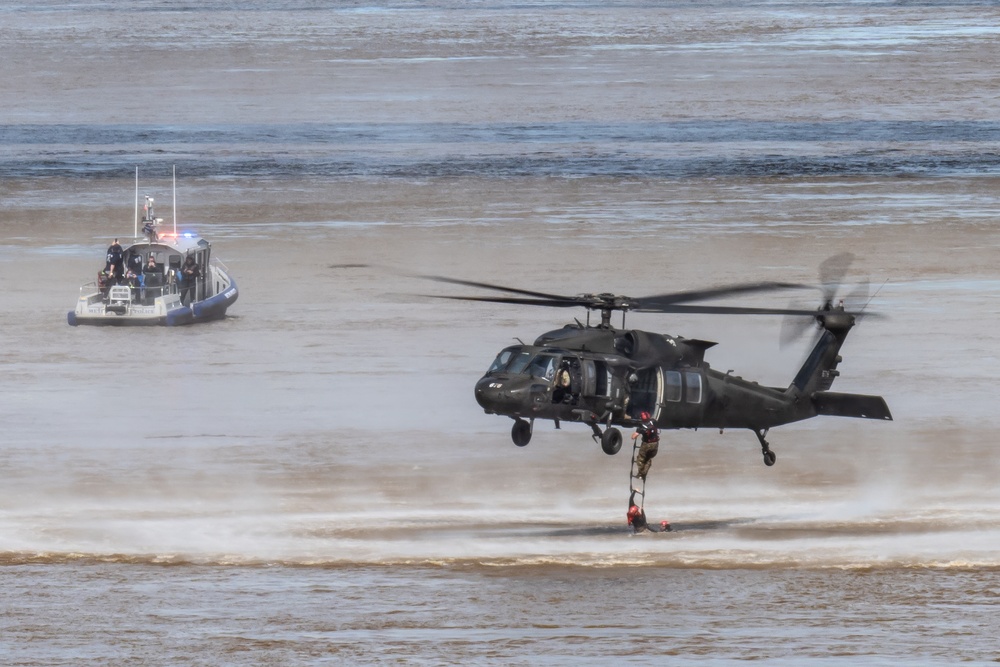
[[189, 276], [562, 392], [650, 444]]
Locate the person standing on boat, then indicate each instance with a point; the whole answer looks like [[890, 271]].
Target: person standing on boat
[[115, 258], [105, 279], [152, 278], [190, 273]]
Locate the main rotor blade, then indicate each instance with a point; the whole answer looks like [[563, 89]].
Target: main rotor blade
[[726, 310], [492, 286], [553, 303], [660, 300]]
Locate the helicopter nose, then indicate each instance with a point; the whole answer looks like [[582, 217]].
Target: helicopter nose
[[500, 395]]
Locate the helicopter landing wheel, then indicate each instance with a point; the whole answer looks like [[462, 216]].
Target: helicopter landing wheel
[[611, 441], [765, 448], [520, 432]]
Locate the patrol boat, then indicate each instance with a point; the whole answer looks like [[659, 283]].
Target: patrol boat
[[143, 282]]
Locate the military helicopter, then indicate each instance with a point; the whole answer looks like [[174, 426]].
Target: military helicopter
[[607, 377]]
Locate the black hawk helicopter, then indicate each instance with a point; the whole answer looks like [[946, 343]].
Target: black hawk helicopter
[[605, 377]]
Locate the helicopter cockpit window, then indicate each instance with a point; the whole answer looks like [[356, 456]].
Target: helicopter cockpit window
[[673, 392], [542, 366], [501, 361], [519, 362], [511, 360], [693, 381]]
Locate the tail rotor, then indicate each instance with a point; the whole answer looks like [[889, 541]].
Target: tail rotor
[[832, 273]]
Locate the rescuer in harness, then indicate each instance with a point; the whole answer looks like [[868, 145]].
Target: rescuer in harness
[[650, 444]]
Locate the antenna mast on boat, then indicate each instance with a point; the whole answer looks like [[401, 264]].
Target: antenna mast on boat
[[175, 200], [135, 220]]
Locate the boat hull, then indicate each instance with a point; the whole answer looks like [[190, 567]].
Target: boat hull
[[172, 313]]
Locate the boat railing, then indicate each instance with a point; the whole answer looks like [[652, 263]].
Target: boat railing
[[139, 293], [219, 275]]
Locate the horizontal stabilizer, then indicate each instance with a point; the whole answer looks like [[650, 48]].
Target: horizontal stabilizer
[[851, 405]]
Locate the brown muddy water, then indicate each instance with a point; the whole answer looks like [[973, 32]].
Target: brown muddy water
[[310, 481]]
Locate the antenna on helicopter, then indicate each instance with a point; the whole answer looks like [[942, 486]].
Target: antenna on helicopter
[[872, 297], [135, 219]]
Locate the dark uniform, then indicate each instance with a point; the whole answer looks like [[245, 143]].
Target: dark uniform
[[105, 279], [650, 444], [189, 274], [115, 258], [134, 263]]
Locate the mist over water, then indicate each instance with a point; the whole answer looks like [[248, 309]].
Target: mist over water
[[310, 481]]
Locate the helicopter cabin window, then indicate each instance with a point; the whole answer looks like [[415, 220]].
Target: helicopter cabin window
[[693, 381], [589, 377], [673, 388], [597, 378], [543, 366]]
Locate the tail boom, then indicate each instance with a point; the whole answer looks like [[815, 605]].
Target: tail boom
[[820, 370]]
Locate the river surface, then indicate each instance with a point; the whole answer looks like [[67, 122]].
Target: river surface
[[310, 481]]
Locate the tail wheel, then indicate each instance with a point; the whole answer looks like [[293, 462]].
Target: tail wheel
[[611, 441], [520, 433]]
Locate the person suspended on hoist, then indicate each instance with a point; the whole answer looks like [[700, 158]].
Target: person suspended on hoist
[[650, 444]]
